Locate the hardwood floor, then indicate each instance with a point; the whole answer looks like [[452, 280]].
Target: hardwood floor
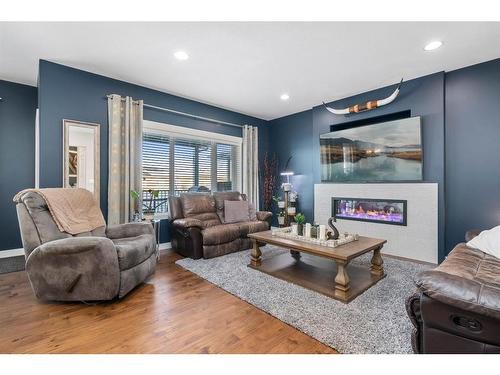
[[174, 312]]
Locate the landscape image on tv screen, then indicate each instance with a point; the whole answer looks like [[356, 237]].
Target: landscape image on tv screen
[[388, 151]]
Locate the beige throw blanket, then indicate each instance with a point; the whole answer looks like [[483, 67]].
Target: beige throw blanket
[[74, 209]]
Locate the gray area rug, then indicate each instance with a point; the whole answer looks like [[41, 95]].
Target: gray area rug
[[12, 264], [375, 322]]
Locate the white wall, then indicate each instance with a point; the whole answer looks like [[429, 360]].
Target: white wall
[[418, 240]]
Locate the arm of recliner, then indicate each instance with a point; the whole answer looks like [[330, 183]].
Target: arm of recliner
[[460, 292], [263, 215], [187, 237], [75, 269], [185, 223], [129, 230]]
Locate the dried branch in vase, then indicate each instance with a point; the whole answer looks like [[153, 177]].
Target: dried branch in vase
[[270, 180]]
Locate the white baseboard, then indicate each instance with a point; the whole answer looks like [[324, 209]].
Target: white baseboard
[[165, 246], [11, 253]]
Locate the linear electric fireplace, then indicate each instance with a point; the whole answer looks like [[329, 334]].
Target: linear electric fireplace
[[385, 211]]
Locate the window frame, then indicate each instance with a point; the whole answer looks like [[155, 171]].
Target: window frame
[[179, 132]]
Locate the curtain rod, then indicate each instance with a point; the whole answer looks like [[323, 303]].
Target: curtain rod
[[186, 114]]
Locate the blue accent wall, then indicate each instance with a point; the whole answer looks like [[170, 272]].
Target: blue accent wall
[[423, 96], [17, 154], [459, 109], [472, 149], [68, 93], [461, 138], [292, 136]]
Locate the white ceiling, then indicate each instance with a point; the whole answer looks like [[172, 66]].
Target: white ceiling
[[247, 66]]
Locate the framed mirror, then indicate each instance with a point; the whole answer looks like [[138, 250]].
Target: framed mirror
[[81, 155]]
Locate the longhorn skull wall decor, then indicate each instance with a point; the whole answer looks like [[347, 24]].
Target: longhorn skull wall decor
[[372, 104]]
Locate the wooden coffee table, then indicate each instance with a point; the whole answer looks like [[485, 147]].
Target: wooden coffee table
[[310, 265]]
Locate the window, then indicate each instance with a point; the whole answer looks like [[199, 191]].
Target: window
[[192, 164], [224, 166], [177, 160], [155, 161], [155, 171]]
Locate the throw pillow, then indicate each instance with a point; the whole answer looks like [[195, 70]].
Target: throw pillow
[[488, 241], [236, 211]]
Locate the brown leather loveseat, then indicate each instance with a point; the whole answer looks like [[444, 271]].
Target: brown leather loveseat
[[457, 306], [197, 225]]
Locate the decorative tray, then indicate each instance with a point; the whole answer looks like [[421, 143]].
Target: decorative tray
[[342, 240]]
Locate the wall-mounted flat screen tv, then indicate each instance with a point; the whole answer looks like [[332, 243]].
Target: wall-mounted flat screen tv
[[381, 152]]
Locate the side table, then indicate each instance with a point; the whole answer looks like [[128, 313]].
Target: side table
[[155, 222]]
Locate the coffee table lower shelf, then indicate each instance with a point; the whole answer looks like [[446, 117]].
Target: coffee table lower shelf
[[318, 274]]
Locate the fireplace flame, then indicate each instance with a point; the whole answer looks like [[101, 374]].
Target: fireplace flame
[[375, 210]]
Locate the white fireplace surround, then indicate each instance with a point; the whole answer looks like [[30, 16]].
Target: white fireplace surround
[[417, 240]]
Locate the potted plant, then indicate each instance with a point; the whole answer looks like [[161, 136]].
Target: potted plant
[[149, 207], [135, 197], [280, 203], [300, 219]]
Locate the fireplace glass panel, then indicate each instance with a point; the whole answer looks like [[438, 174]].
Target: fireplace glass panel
[[386, 211]]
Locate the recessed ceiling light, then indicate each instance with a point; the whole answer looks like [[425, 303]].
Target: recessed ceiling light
[[284, 97], [433, 45], [181, 55]]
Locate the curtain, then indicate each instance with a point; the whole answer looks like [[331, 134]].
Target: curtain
[[125, 154], [251, 164]]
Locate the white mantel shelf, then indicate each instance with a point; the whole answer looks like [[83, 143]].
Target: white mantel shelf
[[418, 240]]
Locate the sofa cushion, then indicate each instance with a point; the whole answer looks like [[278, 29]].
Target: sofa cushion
[[197, 203], [468, 279], [222, 196], [236, 211], [220, 234], [134, 250], [97, 232], [253, 227], [208, 219], [200, 206]]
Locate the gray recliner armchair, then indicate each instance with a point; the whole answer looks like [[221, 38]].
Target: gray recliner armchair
[[92, 266]]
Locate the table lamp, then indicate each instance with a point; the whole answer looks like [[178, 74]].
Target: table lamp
[[287, 172]]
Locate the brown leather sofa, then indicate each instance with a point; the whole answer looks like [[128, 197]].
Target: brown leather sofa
[[456, 308], [197, 225]]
